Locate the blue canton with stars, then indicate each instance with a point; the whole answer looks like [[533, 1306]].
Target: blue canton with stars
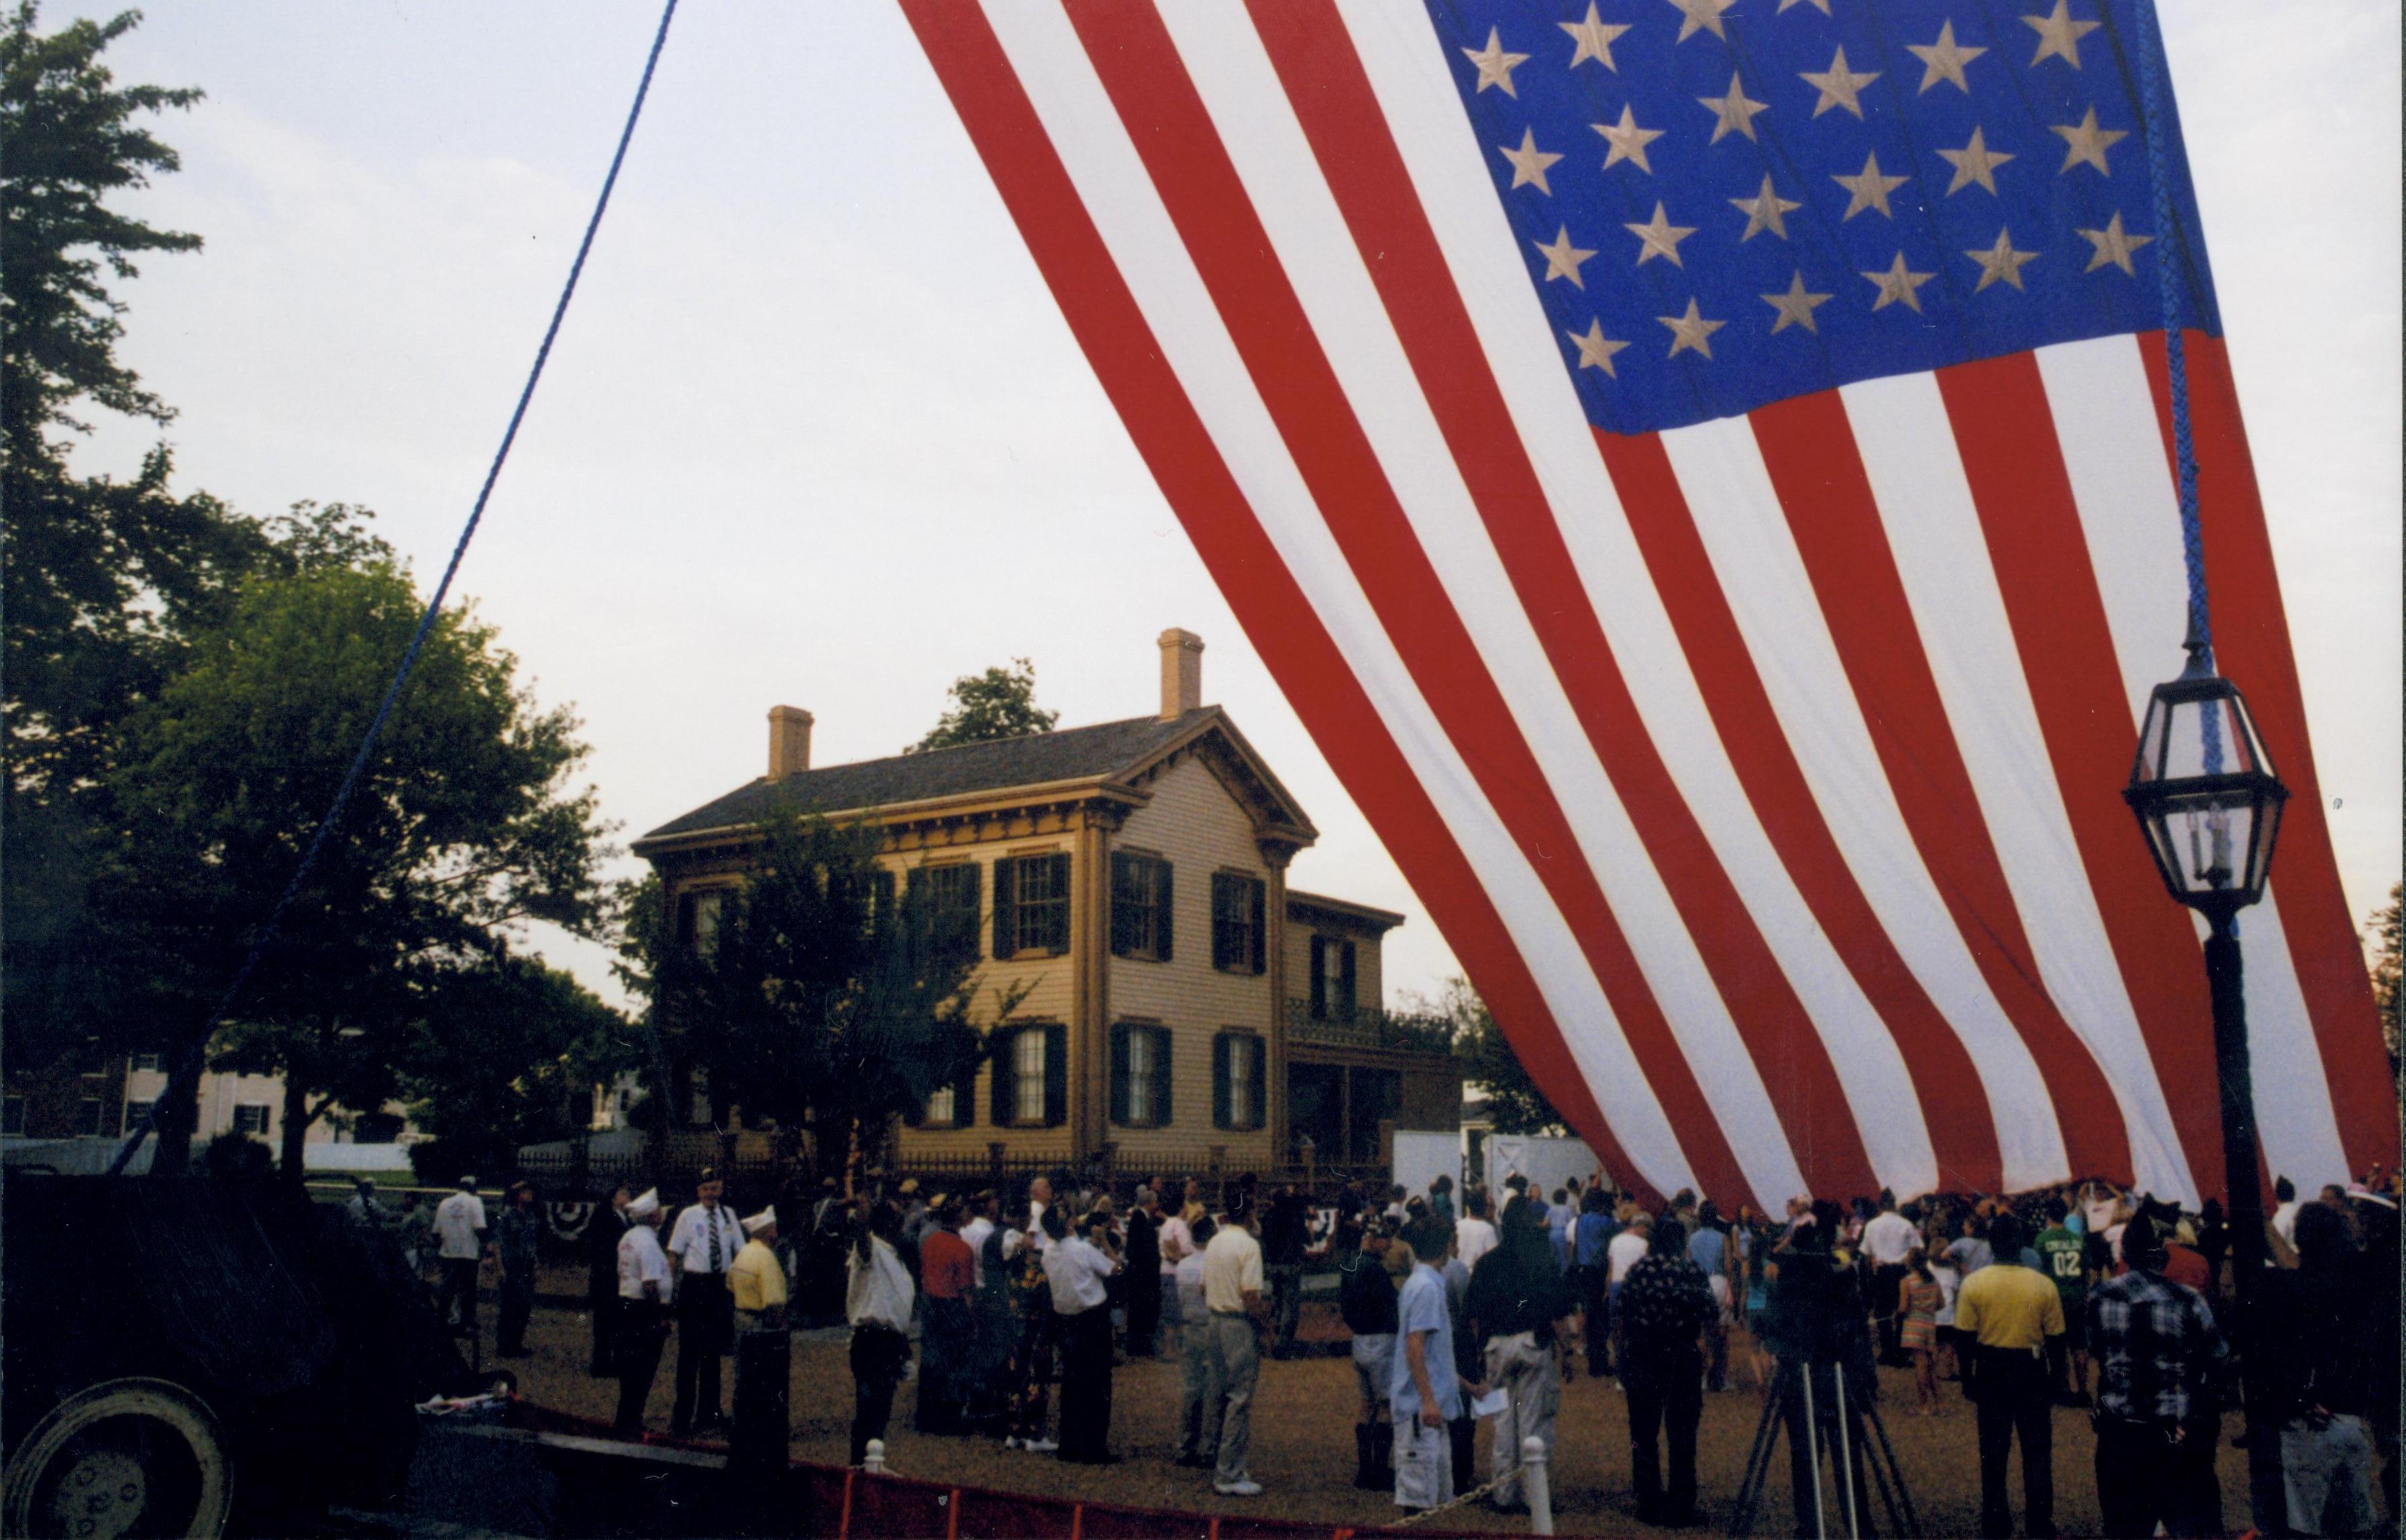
[[1726, 202]]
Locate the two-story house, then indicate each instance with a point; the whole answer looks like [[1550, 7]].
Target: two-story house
[[1180, 1008]]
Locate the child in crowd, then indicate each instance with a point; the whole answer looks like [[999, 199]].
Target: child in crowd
[[1917, 1333]]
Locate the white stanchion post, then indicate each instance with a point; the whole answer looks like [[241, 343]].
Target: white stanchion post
[[873, 1461], [1535, 1490]]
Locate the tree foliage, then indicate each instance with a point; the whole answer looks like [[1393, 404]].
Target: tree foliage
[[71, 140], [463, 827], [100, 575], [506, 1054], [2388, 986], [821, 996], [1515, 1104], [997, 703], [185, 686], [99, 580]]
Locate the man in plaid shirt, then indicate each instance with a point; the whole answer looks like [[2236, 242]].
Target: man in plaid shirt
[[2160, 1365]]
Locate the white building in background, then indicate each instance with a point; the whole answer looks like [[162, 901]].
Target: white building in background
[[253, 1105]]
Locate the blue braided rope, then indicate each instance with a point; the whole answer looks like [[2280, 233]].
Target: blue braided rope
[[188, 1058], [2168, 231]]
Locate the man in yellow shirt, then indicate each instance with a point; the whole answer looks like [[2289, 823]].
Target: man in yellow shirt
[[2009, 1311], [756, 1279], [756, 1284]]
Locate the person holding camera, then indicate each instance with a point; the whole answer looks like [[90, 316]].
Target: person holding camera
[[1817, 1324], [1078, 1264], [2008, 1312]]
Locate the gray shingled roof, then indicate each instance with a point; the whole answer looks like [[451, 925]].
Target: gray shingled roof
[[1070, 755]]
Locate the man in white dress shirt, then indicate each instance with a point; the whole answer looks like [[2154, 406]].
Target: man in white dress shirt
[[1889, 1239], [643, 1285], [1076, 1267], [460, 1229], [706, 1242]]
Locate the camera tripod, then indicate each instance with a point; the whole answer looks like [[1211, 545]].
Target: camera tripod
[[1849, 1456]]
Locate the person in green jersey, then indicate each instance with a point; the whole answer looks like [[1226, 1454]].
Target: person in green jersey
[[2064, 1254]]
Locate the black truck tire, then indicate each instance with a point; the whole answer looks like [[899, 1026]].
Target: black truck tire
[[123, 1457]]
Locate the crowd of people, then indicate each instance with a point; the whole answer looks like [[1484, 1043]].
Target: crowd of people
[[1474, 1307]]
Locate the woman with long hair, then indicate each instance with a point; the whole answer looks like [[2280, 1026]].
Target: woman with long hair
[[877, 1302], [1917, 1333], [1518, 1299]]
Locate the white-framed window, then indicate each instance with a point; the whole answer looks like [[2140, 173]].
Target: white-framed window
[[1028, 1064], [136, 1112], [698, 918], [1240, 1086], [944, 1108], [697, 1108], [250, 1117], [149, 1064]]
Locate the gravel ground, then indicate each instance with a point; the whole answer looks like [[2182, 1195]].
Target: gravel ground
[[1303, 1443]]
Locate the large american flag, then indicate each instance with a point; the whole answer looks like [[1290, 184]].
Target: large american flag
[[1700, 469]]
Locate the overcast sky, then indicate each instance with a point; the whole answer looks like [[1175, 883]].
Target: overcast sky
[[815, 434]]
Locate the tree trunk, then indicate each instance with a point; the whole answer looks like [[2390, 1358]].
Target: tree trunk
[[296, 1129], [175, 1119]]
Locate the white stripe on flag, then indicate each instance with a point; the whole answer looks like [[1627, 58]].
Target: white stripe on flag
[[2293, 1103], [1224, 59], [1917, 476], [1754, 555], [1401, 56], [2129, 513], [1102, 163]]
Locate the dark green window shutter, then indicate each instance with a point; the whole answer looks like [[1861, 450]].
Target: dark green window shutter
[[1120, 1073], [1056, 1071], [1161, 1077], [1220, 1080], [1125, 901], [1320, 978], [1057, 928], [1003, 1099], [1162, 915], [1345, 995], [1006, 922], [1261, 930], [1260, 1081]]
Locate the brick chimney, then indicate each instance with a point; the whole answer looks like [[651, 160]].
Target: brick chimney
[[789, 740], [1181, 674]]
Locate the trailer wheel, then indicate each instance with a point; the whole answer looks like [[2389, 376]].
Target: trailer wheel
[[127, 1457]]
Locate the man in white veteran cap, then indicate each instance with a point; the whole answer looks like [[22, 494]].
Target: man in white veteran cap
[[642, 1310], [763, 1352], [756, 1279]]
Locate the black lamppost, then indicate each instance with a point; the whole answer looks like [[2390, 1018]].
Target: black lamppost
[[2210, 806]]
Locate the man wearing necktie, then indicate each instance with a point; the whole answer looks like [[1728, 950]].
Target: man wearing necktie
[[706, 1240]]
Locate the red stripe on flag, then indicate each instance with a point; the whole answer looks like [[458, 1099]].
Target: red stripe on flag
[[2251, 646], [2005, 433], [1178, 449], [1962, 1126], [1147, 83], [1340, 114], [1809, 446]]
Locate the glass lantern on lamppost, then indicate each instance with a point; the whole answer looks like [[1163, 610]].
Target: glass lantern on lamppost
[[2210, 806], [2205, 793]]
